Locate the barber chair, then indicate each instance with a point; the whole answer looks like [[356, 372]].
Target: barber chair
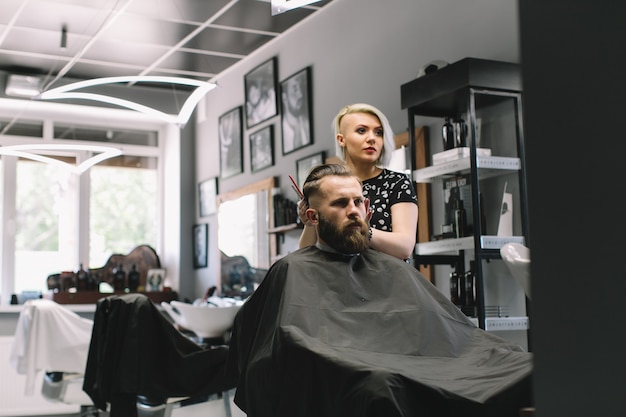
[[55, 340], [517, 259]]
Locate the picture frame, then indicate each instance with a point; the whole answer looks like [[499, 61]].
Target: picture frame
[[304, 165], [207, 197], [296, 119], [200, 245], [230, 134], [260, 87], [262, 148], [155, 279]]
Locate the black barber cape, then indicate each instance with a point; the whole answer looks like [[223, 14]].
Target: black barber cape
[[135, 351], [327, 335]]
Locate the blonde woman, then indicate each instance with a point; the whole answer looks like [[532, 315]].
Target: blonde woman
[[364, 141]]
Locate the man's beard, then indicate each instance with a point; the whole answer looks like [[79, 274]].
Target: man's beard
[[348, 240]]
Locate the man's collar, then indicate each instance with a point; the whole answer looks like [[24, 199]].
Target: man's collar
[[324, 247]]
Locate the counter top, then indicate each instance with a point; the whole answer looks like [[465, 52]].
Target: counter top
[[77, 308]]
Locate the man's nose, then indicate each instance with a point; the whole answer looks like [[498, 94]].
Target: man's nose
[[354, 210]]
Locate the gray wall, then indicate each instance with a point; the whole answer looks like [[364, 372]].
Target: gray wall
[[360, 51]]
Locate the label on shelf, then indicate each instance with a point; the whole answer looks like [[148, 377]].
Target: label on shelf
[[506, 323], [496, 242], [457, 153], [444, 245]]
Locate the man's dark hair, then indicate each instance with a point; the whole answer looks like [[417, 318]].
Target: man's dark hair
[[312, 183]]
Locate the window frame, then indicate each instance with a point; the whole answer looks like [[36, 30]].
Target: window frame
[[91, 117]]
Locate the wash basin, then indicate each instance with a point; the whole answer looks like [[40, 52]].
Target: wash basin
[[517, 258], [206, 321]]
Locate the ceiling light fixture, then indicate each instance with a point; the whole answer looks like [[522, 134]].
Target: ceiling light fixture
[[31, 152], [64, 37], [69, 92], [281, 6], [23, 85]]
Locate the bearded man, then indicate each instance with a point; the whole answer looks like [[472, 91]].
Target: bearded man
[[339, 329]]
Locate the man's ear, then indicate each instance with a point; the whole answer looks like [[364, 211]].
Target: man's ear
[[311, 215]]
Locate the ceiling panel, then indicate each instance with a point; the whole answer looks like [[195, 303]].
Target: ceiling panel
[[191, 38], [228, 41]]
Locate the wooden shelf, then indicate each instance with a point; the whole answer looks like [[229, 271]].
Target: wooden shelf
[[92, 297], [283, 229]]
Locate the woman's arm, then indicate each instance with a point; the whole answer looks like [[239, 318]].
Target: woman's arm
[[400, 242], [309, 235]]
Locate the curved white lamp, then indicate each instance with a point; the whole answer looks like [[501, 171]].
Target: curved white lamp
[[69, 92], [30, 152]]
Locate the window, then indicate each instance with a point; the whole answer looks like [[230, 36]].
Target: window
[[116, 200], [123, 207]]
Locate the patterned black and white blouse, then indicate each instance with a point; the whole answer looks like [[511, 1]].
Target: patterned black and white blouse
[[385, 190]]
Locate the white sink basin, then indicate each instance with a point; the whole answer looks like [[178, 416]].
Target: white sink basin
[[204, 320]]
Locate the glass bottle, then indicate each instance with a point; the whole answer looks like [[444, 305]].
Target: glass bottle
[[133, 279], [447, 133], [119, 278], [455, 281], [469, 282], [460, 219], [82, 279]]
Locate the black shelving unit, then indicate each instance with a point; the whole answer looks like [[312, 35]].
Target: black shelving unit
[[488, 95]]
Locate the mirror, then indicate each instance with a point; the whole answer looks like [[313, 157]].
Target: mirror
[[246, 248]]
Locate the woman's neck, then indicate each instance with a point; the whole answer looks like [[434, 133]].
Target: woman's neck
[[364, 171]]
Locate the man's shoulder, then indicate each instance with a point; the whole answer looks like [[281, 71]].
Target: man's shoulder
[[298, 255]]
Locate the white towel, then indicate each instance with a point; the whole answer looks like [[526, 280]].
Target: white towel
[[49, 337]]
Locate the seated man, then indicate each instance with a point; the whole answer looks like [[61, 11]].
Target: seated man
[[338, 329]]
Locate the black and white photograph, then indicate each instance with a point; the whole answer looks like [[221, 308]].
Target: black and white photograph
[[304, 165], [231, 140], [155, 279], [260, 90], [200, 243], [207, 197], [295, 94], [262, 148]]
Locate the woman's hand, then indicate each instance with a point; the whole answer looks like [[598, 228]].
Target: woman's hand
[[302, 208]]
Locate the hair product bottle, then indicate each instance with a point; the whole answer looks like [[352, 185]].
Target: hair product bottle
[[455, 288], [460, 219]]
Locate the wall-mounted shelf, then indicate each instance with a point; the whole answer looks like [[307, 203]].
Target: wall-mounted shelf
[[465, 243], [486, 95], [489, 166], [284, 228]]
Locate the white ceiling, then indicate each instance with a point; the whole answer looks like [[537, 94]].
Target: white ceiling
[[188, 38]]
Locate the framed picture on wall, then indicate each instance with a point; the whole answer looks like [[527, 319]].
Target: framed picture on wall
[[260, 89], [295, 93], [262, 148], [230, 135], [200, 245], [304, 165], [155, 279], [207, 197]]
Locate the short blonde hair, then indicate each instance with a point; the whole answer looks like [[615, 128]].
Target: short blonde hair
[[389, 144]]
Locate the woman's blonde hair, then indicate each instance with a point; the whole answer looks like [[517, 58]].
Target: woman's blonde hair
[[389, 145]]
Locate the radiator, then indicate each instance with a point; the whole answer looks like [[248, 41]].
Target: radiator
[[13, 400]]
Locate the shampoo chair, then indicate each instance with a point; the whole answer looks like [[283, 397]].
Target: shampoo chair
[[140, 365]]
